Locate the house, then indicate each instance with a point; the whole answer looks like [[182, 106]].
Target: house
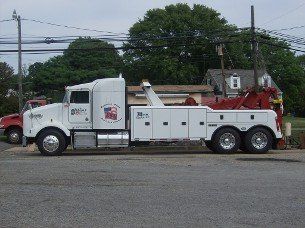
[[237, 80], [170, 94]]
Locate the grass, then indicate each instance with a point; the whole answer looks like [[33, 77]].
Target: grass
[[297, 126], [296, 122], [3, 138]]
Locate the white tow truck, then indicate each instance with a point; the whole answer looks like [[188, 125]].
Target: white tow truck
[[96, 115]]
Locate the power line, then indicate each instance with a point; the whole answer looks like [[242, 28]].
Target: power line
[[284, 37], [284, 47], [54, 41], [6, 20], [131, 38], [278, 33], [121, 47], [282, 15], [170, 41], [291, 28], [72, 27]]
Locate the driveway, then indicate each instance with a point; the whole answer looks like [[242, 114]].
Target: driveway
[[154, 189], [5, 146]]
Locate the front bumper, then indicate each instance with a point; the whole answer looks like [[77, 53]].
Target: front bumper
[[2, 131]]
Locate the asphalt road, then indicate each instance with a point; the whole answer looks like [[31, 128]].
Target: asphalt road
[[5, 146], [152, 189]]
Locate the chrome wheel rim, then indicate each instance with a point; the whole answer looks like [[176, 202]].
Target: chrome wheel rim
[[227, 141], [14, 137], [50, 143], [259, 140]]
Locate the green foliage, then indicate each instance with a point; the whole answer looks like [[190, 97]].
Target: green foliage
[[188, 57], [83, 61], [189, 54], [8, 102], [286, 71]]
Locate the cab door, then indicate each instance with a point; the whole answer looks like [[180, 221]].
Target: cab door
[[79, 107]]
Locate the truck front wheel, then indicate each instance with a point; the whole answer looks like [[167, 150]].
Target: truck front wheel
[[226, 140], [14, 136], [51, 142]]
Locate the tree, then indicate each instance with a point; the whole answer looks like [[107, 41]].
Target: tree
[[177, 44], [178, 47], [301, 59], [85, 60], [8, 102]]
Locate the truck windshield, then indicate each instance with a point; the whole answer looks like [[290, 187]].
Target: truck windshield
[[65, 100], [25, 107]]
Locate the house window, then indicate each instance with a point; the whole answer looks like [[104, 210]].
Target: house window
[[235, 81], [266, 80]]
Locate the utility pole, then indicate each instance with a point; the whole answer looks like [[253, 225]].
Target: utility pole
[[220, 53], [20, 95], [254, 49]]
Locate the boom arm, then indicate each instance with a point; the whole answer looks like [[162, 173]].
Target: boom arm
[[150, 94]]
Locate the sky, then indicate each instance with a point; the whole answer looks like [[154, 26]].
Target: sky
[[119, 15]]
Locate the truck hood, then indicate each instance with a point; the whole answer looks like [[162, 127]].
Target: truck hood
[[43, 114], [12, 116]]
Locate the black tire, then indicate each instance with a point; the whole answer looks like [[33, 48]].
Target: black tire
[[67, 144], [14, 136], [223, 147], [57, 140], [258, 147], [209, 145]]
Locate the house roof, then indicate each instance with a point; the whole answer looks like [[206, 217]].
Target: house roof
[[246, 77], [174, 89]]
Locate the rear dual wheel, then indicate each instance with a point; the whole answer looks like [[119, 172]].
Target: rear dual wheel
[[257, 141], [228, 140], [225, 141]]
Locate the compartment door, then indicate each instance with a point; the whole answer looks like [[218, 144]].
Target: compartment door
[[179, 123], [198, 125], [142, 124], [248, 117], [161, 124]]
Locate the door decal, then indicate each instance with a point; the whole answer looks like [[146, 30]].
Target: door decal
[[111, 113], [78, 111]]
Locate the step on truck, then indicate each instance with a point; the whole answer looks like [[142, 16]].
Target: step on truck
[[96, 115]]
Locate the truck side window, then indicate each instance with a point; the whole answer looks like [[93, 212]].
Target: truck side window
[[79, 97]]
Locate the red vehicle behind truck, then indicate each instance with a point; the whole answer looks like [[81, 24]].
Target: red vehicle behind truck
[[11, 125]]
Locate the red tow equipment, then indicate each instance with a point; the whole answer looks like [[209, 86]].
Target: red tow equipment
[[267, 98]]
